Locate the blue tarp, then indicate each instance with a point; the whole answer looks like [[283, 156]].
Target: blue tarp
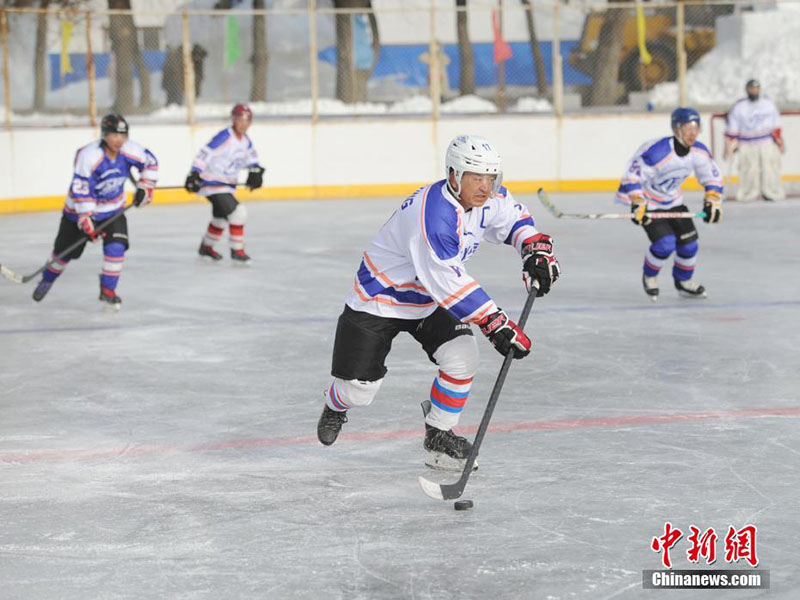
[[403, 61], [154, 59]]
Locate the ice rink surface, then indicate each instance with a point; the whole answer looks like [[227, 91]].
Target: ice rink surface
[[169, 450]]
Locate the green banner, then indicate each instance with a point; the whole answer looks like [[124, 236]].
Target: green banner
[[232, 49]]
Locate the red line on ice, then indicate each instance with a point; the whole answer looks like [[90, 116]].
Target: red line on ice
[[306, 440]]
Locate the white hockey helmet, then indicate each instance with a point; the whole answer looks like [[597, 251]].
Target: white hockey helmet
[[475, 154]]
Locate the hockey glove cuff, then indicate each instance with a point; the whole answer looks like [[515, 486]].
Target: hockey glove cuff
[[86, 225], [255, 178], [712, 206], [193, 182], [639, 211], [505, 335], [144, 192], [539, 264]]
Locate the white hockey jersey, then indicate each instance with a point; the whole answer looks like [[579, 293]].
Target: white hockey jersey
[[752, 122], [98, 182], [416, 262], [657, 173], [220, 161]]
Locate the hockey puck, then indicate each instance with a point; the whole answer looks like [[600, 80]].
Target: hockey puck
[[462, 504]]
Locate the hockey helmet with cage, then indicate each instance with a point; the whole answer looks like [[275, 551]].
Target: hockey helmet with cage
[[474, 154], [113, 123], [242, 111]]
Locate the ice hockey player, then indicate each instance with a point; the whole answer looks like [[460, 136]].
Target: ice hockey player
[[652, 183], [754, 129], [214, 174], [412, 278], [97, 194]]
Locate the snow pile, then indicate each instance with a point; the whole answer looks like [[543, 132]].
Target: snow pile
[[771, 55], [528, 105]]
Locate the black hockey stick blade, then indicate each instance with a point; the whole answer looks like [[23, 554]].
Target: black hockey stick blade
[[451, 491], [19, 278]]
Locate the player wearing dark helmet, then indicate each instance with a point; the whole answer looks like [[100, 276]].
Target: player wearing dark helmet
[[96, 194]]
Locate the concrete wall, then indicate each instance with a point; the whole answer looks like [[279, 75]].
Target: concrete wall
[[361, 157]]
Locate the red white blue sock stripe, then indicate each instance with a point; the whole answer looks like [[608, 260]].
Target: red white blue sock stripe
[[335, 400], [450, 394]]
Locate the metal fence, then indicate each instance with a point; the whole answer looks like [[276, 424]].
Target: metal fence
[[428, 57]]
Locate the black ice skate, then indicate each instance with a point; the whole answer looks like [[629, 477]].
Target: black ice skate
[[240, 256], [690, 289], [330, 424], [110, 298], [445, 450], [209, 252], [42, 289], [650, 287]]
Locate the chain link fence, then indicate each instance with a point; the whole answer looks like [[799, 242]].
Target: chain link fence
[[422, 57]]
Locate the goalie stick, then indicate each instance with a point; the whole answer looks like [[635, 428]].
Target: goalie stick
[[18, 278], [548, 204], [450, 491]]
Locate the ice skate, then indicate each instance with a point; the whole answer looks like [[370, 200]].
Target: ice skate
[[209, 252], [109, 298], [42, 289], [690, 289], [650, 287], [240, 256], [330, 424], [445, 450]]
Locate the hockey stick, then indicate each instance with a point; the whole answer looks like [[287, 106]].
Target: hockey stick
[[18, 278], [450, 491], [548, 204]]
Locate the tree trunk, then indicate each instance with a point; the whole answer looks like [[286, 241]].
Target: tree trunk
[[40, 66], [536, 51], [465, 54], [125, 48], [605, 89], [258, 90]]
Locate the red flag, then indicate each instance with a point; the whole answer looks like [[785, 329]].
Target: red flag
[[502, 51]]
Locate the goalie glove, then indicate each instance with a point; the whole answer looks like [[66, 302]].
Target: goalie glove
[[193, 182], [539, 264], [505, 335], [255, 178], [712, 206], [639, 211], [86, 225], [144, 192]]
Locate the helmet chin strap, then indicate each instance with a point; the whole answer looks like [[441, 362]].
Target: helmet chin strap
[[679, 137]]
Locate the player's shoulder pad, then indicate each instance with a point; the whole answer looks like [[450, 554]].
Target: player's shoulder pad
[[440, 221], [502, 193], [88, 158], [659, 149], [133, 150], [701, 147], [220, 138]]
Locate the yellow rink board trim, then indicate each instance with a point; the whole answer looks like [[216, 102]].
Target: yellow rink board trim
[[181, 196]]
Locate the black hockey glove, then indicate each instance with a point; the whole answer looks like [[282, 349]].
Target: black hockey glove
[[193, 182], [639, 210], [505, 335], [255, 178], [144, 193], [712, 206], [539, 264]]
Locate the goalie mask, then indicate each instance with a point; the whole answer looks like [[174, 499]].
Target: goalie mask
[[474, 154]]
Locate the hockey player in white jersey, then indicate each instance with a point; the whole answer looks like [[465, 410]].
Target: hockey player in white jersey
[[412, 278], [652, 183], [754, 130], [214, 174], [97, 194]]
